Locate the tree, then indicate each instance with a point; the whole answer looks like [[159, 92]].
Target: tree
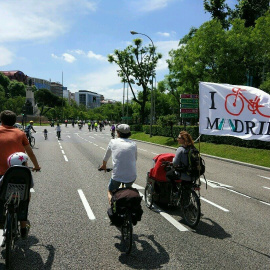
[[250, 10], [218, 10], [137, 66], [47, 100], [16, 89]]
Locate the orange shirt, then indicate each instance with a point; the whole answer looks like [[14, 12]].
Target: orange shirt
[[11, 140]]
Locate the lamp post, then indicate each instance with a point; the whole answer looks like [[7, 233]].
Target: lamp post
[[153, 54]]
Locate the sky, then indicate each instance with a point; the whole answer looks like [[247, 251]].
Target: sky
[[45, 39]]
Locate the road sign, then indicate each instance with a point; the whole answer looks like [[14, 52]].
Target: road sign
[[189, 110], [189, 115], [189, 96], [189, 100], [189, 105]]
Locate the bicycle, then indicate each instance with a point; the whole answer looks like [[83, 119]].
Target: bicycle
[[126, 218], [15, 197], [237, 100], [187, 197], [31, 139]]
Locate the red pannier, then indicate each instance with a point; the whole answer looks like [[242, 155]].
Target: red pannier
[[158, 172]]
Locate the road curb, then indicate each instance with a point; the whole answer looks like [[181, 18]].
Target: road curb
[[215, 157]]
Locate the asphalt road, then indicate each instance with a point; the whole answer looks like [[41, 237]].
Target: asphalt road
[[70, 228]]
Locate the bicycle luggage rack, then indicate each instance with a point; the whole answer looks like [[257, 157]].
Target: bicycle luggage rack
[[12, 188]]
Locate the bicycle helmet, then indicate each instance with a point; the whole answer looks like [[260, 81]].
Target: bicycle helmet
[[31, 121], [18, 158]]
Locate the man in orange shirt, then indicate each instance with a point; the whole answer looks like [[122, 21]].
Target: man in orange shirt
[[13, 140]]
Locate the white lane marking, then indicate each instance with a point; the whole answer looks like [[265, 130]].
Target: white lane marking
[[267, 187], [95, 144], [214, 184], [61, 147], [142, 149], [169, 218], [63, 152], [65, 157], [92, 137], [264, 202], [214, 204], [86, 205], [239, 193], [68, 136], [102, 148], [154, 153], [264, 177]]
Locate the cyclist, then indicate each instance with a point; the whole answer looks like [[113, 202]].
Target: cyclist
[[112, 131], [181, 160], [13, 140], [28, 129], [124, 157], [58, 131], [96, 125], [66, 122], [89, 125], [45, 131]]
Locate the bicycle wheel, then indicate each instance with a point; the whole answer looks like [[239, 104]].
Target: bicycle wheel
[[9, 240], [191, 208], [33, 141], [127, 231], [148, 195], [233, 105]]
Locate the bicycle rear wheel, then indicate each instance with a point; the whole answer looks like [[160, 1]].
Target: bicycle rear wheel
[[191, 208], [33, 141], [148, 195], [9, 240], [127, 231]]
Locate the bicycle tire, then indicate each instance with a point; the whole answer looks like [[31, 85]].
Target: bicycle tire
[[148, 195], [230, 108], [33, 141], [127, 233], [9, 240], [191, 209]]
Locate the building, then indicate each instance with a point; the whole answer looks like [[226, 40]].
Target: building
[[88, 99], [57, 89], [16, 75], [41, 84]]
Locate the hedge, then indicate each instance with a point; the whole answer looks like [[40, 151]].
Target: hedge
[[194, 132]]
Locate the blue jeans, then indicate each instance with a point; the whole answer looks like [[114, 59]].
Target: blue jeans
[[113, 185]]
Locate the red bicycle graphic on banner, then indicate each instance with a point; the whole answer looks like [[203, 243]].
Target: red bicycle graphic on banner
[[237, 101]]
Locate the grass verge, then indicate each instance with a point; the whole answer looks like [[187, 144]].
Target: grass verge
[[249, 155]]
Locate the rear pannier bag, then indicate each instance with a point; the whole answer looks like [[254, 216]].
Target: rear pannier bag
[[125, 198]]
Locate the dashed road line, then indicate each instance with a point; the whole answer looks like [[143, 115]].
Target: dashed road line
[[264, 177], [267, 187], [214, 204], [86, 205]]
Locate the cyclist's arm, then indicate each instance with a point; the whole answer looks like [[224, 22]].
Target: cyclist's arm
[[32, 156], [104, 165], [33, 129]]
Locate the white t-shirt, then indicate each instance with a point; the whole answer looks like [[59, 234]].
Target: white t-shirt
[[124, 156]]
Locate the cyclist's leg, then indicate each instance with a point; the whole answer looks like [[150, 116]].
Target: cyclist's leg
[[171, 177], [113, 185]]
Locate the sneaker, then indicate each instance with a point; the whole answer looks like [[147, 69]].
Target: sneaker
[[25, 231]]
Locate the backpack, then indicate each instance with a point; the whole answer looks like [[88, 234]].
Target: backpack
[[125, 198], [158, 173], [196, 165]]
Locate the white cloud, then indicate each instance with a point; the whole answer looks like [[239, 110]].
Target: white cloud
[[149, 5], [65, 56], [29, 20], [6, 57], [163, 34], [91, 54], [68, 57]]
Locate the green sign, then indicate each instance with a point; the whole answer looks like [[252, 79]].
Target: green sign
[[189, 115], [189, 106], [189, 100], [126, 117]]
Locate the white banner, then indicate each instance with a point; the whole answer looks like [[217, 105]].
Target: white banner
[[234, 110]]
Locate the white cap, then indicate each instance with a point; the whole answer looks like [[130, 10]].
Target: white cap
[[123, 128]]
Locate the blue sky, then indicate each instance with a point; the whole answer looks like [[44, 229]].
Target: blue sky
[[45, 38]]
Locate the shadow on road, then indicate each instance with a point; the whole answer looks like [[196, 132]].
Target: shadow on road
[[146, 253], [213, 230], [24, 256]]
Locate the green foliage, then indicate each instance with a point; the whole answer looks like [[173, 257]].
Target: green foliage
[[16, 89], [137, 67]]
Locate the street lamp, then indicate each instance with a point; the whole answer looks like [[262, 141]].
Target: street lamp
[[153, 54]]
